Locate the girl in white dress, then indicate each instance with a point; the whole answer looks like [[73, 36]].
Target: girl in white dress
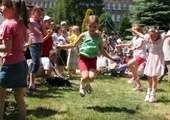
[[155, 62]]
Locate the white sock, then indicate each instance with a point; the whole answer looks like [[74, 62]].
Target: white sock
[[82, 84], [153, 91], [149, 91]]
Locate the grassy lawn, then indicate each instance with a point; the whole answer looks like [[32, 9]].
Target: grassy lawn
[[112, 99]]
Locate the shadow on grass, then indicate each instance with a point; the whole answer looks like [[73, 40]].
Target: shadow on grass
[[112, 109], [163, 99], [51, 92], [161, 90], [41, 112], [106, 77], [38, 113]]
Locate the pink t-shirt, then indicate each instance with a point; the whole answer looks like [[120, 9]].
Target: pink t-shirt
[[35, 38], [15, 31]]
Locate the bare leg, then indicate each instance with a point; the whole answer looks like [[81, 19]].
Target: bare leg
[[32, 79], [84, 78], [2, 97], [19, 97], [133, 66]]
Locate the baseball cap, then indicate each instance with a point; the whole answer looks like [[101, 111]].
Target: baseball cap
[[46, 17]]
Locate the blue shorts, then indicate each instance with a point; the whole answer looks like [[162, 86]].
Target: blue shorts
[[14, 76]]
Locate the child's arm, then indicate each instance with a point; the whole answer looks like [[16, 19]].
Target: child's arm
[[72, 45], [105, 53], [137, 33], [56, 71], [49, 34], [124, 45]]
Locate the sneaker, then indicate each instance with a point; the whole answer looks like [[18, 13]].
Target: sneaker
[[147, 98], [34, 88], [133, 80], [137, 88], [82, 91], [88, 88], [152, 98], [26, 90]]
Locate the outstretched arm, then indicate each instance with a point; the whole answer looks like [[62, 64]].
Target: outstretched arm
[[102, 50], [72, 45], [124, 45]]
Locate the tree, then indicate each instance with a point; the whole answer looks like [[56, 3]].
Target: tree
[[73, 11], [88, 13], [124, 27], [151, 12], [106, 23]]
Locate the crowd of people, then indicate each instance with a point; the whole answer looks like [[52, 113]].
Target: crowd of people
[[32, 44]]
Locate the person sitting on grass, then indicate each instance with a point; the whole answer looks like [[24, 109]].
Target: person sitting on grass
[[47, 66], [116, 68]]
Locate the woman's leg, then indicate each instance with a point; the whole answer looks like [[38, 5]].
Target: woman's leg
[[2, 97], [19, 97]]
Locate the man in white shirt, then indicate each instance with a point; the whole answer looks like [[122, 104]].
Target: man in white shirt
[[47, 66]]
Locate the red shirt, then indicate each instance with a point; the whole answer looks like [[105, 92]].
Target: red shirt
[[47, 46]]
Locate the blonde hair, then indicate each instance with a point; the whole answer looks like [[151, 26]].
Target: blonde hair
[[154, 29], [92, 19], [138, 28], [74, 28], [53, 53]]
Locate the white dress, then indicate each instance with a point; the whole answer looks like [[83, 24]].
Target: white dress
[[155, 62]]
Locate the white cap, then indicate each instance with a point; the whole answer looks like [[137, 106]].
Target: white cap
[[63, 22], [46, 18]]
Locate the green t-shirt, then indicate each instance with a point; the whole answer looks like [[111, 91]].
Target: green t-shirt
[[90, 46]]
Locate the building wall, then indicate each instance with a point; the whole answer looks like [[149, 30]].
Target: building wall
[[44, 3], [118, 8]]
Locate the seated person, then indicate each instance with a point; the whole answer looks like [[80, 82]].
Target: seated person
[[116, 68], [47, 66], [101, 64]]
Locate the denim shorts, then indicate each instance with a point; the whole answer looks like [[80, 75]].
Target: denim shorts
[[14, 76]]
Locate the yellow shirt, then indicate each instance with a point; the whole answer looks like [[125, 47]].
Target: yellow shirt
[[72, 38]]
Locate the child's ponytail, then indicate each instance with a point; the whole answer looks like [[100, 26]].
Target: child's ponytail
[[23, 13]]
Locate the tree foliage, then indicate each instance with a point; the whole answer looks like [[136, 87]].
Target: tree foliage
[[151, 12], [124, 27], [88, 13], [106, 23], [73, 11]]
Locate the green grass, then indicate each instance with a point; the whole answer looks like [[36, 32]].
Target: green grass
[[112, 99]]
